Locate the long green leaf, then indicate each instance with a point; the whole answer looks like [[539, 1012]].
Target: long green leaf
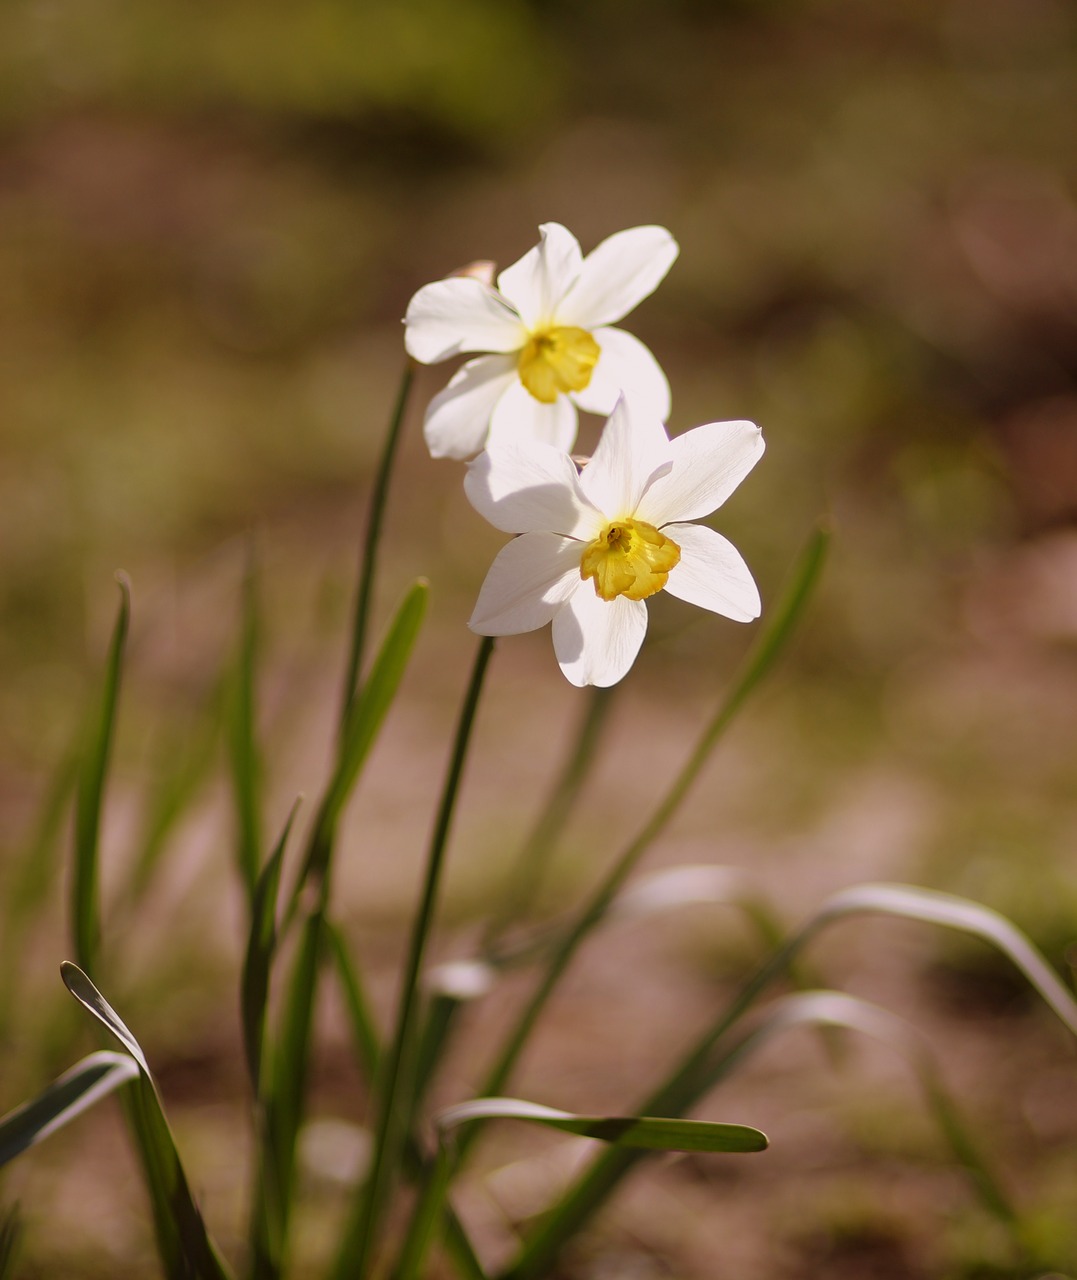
[[360, 1016], [246, 765], [85, 910], [183, 1242], [366, 714], [66, 1098], [639, 1133], [261, 947]]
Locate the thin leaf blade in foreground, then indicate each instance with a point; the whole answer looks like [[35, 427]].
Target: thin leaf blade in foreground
[[87, 1082], [640, 1133], [186, 1249], [85, 910]]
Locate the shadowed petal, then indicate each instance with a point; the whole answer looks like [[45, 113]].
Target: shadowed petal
[[625, 365], [458, 418], [529, 580], [519, 417], [596, 640], [708, 464], [632, 447], [536, 283], [712, 573], [617, 276], [459, 314], [532, 489]]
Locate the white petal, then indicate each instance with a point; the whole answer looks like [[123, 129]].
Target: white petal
[[460, 314], [708, 464], [712, 573], [617, 276], [624, 365], [528, 582], [536, 283], [632, 447], [596, 640], [458, 418], [532, 489], [518, 417]]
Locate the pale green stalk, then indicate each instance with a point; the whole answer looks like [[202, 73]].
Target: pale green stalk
[[354, 1259]]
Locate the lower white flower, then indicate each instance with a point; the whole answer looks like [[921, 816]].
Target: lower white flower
[[592, 546]]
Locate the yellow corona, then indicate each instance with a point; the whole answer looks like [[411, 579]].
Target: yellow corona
[[629, 558], [556, 361]]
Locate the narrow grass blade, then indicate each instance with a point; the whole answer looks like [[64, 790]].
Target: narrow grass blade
[[261, 948], [360, 1016], [85, 909], [365, 716], [65, 1099], [186, 1250], [244, 759], [369, 557], [639, 1133], [967, 917]]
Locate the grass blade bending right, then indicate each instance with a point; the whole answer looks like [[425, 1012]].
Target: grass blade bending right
[[85, 907]]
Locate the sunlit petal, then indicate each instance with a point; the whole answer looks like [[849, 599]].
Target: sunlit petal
[[596, 641], [529, 580], [632, 447], [708, 464], [712, 573], [617, 276], [458, 418], [460, 314], [536, 283], [530, 489]]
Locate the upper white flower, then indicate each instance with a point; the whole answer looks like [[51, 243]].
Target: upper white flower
[[594, 545], [548, 324]]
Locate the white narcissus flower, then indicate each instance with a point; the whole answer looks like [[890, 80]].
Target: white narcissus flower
[[594, 545], [548, 326]]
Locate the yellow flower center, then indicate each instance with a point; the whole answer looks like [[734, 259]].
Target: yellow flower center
[[558, 360], [629, 558]]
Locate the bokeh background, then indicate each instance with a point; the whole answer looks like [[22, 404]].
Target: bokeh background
[[211, 220]]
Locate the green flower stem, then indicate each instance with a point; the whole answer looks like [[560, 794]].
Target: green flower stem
[[534, 855], [353, 1261], [368, 559], [769, 644]]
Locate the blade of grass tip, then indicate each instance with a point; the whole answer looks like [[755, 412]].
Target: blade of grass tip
[[369, 556], [360, 1016], [391, 1130], [694, 1074], [533, 857], [85, 910], [184, 1244], [261, 947], [64, 1100], [769, 644], [244, 758], [364, 720]]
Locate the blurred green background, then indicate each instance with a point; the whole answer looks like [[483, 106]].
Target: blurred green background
[[211, 220]]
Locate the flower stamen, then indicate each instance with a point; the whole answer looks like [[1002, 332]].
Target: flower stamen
[[557, 360], [629, 558]]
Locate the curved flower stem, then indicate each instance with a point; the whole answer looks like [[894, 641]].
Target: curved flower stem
[[368, 558], [534, 854], [354, 1258], [769, 644]]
